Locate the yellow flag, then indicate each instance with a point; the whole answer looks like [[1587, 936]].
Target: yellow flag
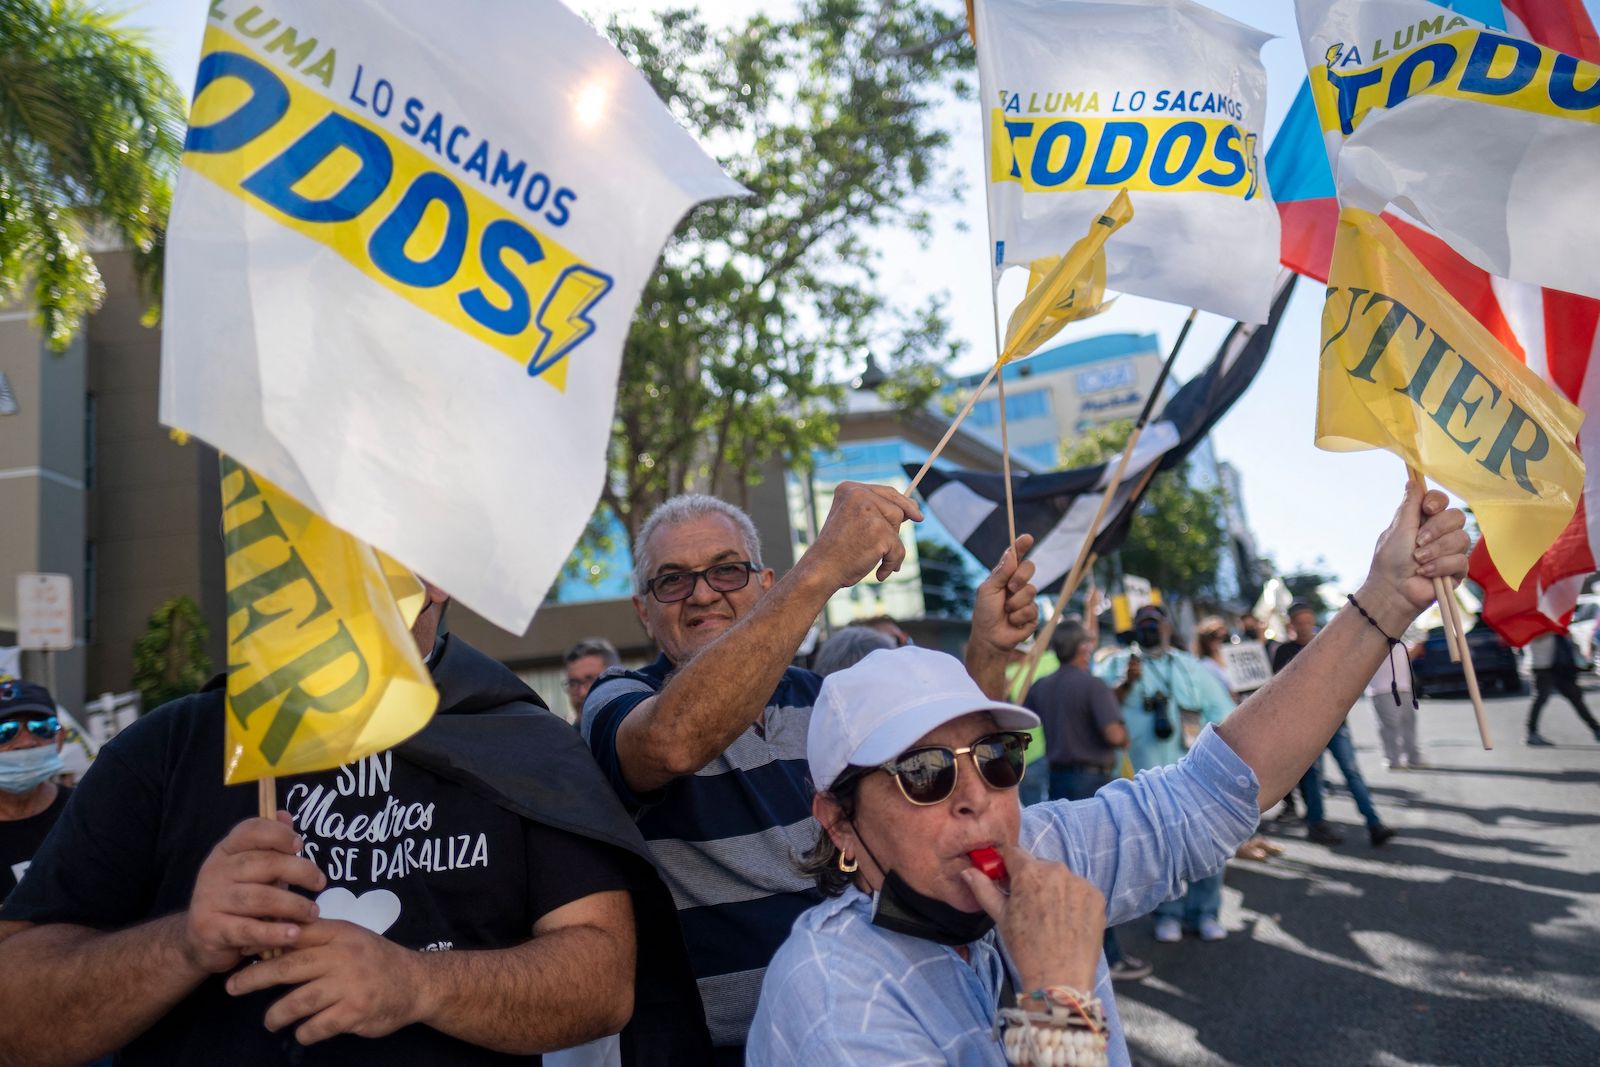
[[322, 668], [1405, 368], [1063, 289]]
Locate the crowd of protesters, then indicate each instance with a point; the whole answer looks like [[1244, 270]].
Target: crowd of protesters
[[733, 859]]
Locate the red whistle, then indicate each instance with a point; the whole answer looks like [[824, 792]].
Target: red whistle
[[989, 862]]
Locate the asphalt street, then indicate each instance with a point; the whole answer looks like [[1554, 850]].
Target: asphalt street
[[1472, 938]]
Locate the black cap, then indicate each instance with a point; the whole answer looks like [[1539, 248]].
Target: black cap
[[18, 698], [1150, 610]]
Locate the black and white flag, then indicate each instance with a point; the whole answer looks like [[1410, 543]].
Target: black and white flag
[[1057, 508]]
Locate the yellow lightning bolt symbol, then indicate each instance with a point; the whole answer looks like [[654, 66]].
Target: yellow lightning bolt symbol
[[564, 318]]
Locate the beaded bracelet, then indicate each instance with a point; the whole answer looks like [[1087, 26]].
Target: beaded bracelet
[[1086, 1006], [1394, 680], [1042, 1039], [1056, 1026]]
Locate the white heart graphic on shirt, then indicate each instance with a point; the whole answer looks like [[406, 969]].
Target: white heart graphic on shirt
[[375, 910]]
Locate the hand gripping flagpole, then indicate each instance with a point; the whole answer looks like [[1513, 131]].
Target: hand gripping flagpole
[[1084, 550], [1450, 616]]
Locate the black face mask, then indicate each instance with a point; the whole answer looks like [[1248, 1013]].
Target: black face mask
[[1148, 636], [906, 911]]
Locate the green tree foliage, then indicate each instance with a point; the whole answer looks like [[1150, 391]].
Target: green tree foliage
[[1307, 586], [761, 302], [170, 660], [1177, 533], [90, 135]]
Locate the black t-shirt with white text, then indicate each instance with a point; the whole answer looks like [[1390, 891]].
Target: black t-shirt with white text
[[21, 838], [424, 861]]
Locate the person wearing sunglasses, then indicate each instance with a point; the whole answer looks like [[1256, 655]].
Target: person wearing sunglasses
[[707, 744], [30, 756], [929, 947]]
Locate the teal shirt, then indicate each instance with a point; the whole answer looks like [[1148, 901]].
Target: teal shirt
[[1187, 684]]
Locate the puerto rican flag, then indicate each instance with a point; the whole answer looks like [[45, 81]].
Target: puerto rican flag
[[1556, 334]]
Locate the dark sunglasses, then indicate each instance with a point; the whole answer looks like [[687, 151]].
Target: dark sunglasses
[[679, 585], [927, 776], [43, 727]]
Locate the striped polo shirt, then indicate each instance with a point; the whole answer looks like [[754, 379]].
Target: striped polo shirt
[[728, 838]]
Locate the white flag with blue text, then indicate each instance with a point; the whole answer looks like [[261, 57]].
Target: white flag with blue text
[[1163, 98], [407, 243], [1490, 139]]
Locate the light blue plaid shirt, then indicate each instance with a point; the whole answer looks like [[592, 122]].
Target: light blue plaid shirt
[[842, 990]]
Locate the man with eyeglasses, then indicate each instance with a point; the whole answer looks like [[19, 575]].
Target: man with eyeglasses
[[30, 756], [707, 744]]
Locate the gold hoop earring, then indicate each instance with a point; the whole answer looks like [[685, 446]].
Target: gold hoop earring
[[848, 866]]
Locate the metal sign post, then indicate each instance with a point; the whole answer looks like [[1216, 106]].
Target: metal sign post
[[45, 613]]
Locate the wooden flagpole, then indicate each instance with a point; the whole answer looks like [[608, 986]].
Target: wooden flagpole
[[949, 433], [1084, 549], [267, 808], [1069, 587], [1450, 616], [1005, 437]]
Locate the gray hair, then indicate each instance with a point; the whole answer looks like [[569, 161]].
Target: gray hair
[[686, 508], [593, 646], [848, 647], [1068, 640]]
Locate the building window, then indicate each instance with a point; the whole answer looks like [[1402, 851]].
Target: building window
[[88, 440], [987, 413], [1046, 454], [1033, 405]]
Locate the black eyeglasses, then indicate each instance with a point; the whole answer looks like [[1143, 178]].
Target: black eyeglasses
[[44, 727], [927, 776], [679, 585]]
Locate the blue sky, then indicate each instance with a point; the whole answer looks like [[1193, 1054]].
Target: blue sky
[[1304, 504]]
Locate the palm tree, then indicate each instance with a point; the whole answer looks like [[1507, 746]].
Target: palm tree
[[90, 136]]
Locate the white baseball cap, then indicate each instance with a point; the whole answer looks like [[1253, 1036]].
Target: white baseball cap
[[868, 714]]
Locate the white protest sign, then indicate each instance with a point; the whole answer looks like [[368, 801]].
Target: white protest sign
[[1247, 665]]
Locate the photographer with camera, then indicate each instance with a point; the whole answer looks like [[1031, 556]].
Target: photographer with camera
[[1167, 697]]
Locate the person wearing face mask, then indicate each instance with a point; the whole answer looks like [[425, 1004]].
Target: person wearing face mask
[[928, 947], [1167, 696], [30, 756], [1250, 630]]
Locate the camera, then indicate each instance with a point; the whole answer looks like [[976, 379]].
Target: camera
[[1156, 704]]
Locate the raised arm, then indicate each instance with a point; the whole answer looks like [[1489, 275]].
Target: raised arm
[[140, 973], [1282, 727], [715, 697], [1004, 614], [573, 982]]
